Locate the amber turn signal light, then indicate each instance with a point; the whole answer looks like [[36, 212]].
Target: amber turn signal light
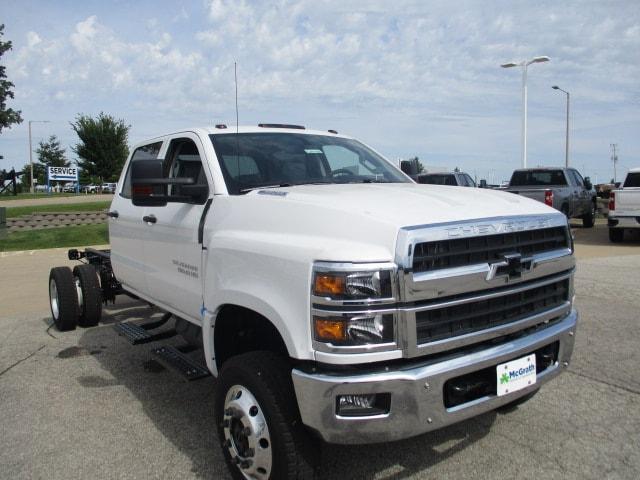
[[329, 284], [328, 330]]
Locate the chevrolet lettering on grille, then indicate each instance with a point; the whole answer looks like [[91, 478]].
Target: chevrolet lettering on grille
[[503, 227]]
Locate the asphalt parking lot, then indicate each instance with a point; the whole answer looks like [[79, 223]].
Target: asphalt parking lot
[[86, 404]]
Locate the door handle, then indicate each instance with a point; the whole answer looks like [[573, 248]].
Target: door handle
[[149, 219], [113, 214]]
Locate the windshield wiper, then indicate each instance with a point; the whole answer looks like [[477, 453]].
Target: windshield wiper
[[260, 187]]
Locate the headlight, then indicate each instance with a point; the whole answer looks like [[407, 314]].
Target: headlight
[[352, 285], [361, 329], [353, 307]]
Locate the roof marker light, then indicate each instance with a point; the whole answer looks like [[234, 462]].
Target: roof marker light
[[281, 125]]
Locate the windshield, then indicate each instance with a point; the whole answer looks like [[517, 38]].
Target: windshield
[[537, 178], [632, 180], [254, 160], [438, 179]]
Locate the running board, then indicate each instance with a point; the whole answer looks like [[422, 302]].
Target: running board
[[139, 334], [175, 359]]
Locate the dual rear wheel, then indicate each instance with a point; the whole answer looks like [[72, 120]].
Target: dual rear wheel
[[75, 297]]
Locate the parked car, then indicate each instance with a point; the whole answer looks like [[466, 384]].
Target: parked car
[[329, 302], [69, 187], [561, 188], [459, 179], [91, 188], [108, 188], [624, 206]]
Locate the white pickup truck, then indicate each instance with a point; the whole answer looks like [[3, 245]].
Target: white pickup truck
[[335, 299], [624, 206]]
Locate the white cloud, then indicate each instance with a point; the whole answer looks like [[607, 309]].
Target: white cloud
[[33, 39], [425, 73]]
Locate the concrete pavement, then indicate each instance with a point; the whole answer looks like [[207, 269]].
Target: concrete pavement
[[86, 404]]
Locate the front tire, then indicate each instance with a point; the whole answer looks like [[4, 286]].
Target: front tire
[[89, 295], [259, 426], [590, 218], [616, 235], [63, 298]]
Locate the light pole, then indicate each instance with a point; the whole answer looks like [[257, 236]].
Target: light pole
[[31, 150], [566, 143], [524, 64]]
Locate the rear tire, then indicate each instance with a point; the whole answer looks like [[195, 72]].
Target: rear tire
[[63, 298], [616, 235], [590, 218], [89, 295], [256, 388]]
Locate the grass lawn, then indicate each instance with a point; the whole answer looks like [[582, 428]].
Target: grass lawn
[[76, 236], [25, 196], [13, 212]]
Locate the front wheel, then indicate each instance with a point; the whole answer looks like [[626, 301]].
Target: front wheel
[[590, 218], [259, 425]]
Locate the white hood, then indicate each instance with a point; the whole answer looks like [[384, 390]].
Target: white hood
[[360, 222]]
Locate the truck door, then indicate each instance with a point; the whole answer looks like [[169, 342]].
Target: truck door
[[173, 250], [585, 195], [126, 229], [579, 197]]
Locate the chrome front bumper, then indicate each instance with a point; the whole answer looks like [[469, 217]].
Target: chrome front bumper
[[417, 394]]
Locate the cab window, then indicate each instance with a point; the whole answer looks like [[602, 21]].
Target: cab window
[[146, 152], [184, 161]]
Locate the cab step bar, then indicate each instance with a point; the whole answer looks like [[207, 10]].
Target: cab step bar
[[176, 359], [138, 334]]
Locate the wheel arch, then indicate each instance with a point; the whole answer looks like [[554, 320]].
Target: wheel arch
[[235, 329]]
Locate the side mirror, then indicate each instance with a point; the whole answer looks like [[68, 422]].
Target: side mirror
[[149, 186], [587, 183], [483, 183]]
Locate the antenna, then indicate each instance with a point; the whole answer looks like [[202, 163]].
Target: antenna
[[235, 75]]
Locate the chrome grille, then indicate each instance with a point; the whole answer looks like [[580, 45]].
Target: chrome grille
[[459, 252], [468, 317]]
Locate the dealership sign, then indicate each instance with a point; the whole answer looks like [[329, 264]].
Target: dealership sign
[[64, 174]]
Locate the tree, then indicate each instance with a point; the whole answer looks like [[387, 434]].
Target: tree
[[39, 173], [102, 149], [51, 154], [8, 116]]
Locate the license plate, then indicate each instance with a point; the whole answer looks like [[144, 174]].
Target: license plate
[[516, 374]]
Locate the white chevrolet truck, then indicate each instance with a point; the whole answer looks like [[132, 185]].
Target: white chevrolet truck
[[624, 207], [334, 299]]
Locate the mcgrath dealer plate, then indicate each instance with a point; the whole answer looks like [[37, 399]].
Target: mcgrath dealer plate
[[516, 374]]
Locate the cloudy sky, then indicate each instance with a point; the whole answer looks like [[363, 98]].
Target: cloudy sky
[[406, 77]]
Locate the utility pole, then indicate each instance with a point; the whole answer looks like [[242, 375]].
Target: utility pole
[[614, 159], [31, 151]]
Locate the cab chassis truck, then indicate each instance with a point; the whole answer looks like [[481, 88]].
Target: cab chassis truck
[[334, 299]]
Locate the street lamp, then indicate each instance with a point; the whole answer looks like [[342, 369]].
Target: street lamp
[[524, 64], [566, 143], [31, 150]]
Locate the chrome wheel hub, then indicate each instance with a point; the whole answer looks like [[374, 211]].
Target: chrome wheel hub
[[53, 299], [79, 292], [246, 434]]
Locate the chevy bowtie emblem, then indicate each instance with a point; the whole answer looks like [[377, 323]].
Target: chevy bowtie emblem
[[512, 266]]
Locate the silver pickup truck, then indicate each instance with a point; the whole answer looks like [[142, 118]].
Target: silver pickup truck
[[561, 188]]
